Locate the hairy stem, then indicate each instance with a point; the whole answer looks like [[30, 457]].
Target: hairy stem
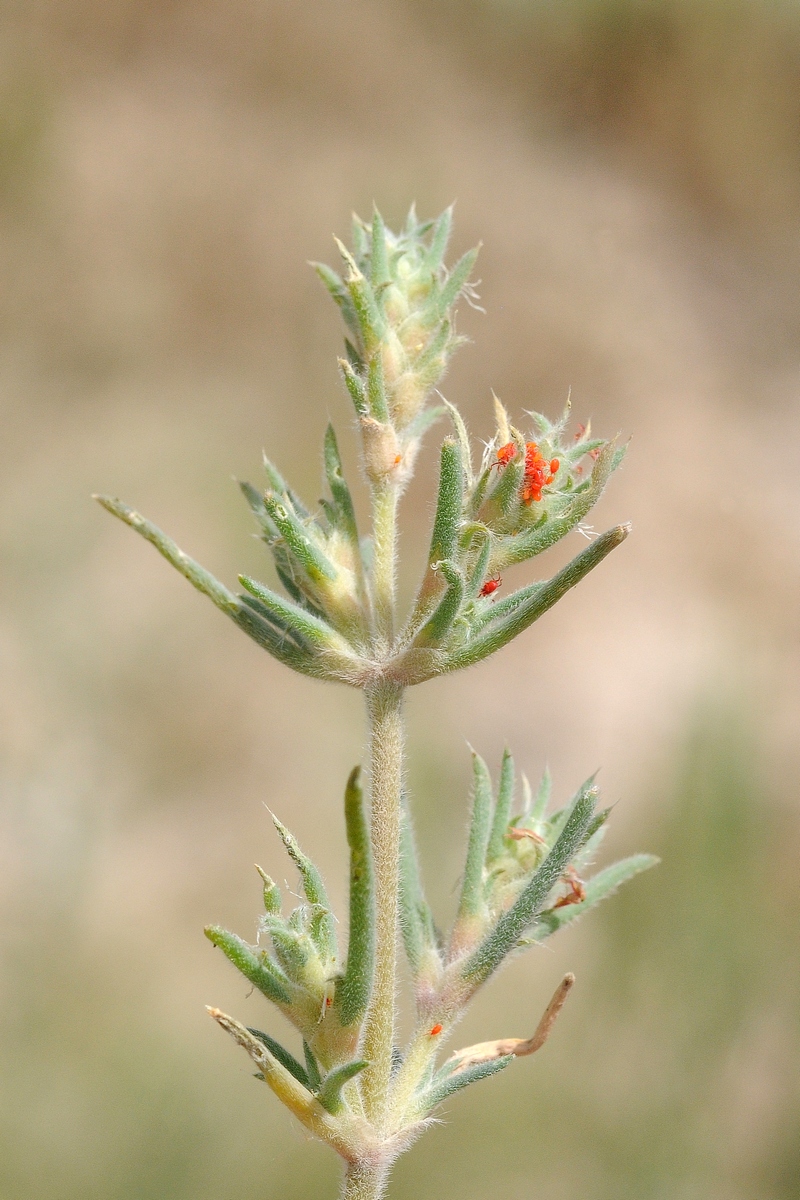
[[384, 523], [364, 1181], [384, 708]]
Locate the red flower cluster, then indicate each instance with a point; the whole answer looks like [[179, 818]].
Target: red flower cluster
[[538, 472]]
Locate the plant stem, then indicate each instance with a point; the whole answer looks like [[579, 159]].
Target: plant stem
[[384, 530], [384, 708], [364, 1181]]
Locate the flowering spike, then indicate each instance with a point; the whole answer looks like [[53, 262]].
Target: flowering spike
[[526, 874]]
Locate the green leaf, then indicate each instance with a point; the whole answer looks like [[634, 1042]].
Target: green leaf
[[439, 624], [376, 390], [605, 883], [502, 812], [513, 923], [455, 283], [340, 294], [379, 262], [353, 990], [293, 950], [446, 1082], [355, 386], [276, 641], [330, 1093], [542, 801], [270, 636], [197, 575], [471, 902], [272, 893], [346, 515], [500, 632], [260, 973], [283, 1056], [448, 503], [290, 616], [315, 563], [312, 1067], [313, 887], [371, 325], [416, 921], [439, 239]]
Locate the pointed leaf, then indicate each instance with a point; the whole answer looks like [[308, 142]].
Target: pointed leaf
[[439, 624], [502, 812], [499, 633], [197, 575], [376, 390], [340, 294], [313, 887], [312, 1067], [283, 1056], [605, 883], [379, 262], [330, 1093], [439, 239], [513, 923], [542, 801], [262, 974], [315, 562], [272, 893], [309, 629], [355, 386], [448, 1082], [353, 990], [472, 902], [416, 921], [458, 277], [339, 489]]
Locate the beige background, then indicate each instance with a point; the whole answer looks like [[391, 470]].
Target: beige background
[[166, 169]]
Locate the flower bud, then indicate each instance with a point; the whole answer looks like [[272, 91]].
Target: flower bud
[[381, 450]]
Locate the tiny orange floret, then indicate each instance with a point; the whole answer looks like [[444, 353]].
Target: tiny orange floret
[[436, 1029]]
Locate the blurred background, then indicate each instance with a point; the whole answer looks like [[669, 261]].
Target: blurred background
[[166, 169]]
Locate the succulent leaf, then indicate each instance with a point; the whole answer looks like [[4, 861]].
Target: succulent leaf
[[258, 970], [330, 1092], [353, 990]]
